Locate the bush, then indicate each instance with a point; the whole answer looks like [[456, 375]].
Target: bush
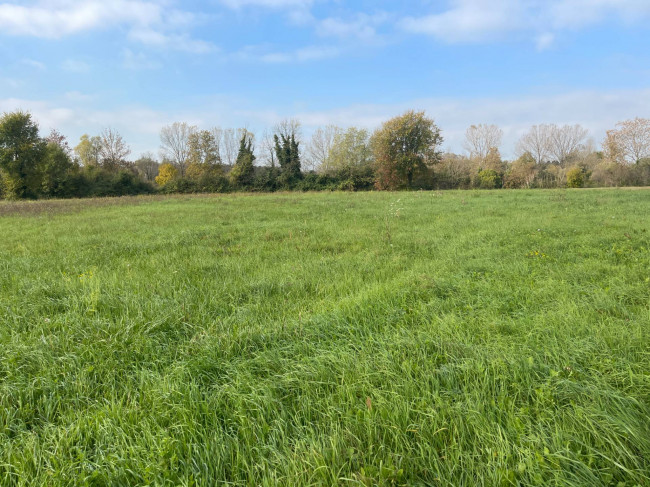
[[94, 181], [575, 177], [488, 179]]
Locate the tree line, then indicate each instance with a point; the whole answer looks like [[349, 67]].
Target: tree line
[[404, 153]]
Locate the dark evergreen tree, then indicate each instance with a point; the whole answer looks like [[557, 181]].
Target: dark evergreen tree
[[288, 154], [243, 172]]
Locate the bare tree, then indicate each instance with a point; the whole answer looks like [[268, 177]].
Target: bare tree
[[566, 141], [59, 139], [630, 142], [230, 144], [322, 141], [175, 144], [479, 139], [113, 149], [537, 142], [147, 166], [267, 149], [289, 127]]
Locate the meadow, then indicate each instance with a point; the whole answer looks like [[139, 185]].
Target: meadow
[[417, 338]]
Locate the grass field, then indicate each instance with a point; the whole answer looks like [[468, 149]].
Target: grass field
[[454, 338]]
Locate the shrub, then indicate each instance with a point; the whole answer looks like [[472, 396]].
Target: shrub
[[575, 177]]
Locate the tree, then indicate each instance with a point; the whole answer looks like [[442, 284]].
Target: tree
[[565, 141], [230, 145], [166, 174], [350, 159], [56, 137], [537, 142], [147, 166], [630, 142], [175, 144], [454, 171], [243, 171], [480, 139], [113, 150], [521, 173], [21, 153], [322, 141], [287, 150], [204, 148], [89, 150], [403, 146], [55, 169]]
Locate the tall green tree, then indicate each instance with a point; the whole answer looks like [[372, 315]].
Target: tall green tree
[[55, 171], [287, 151], [243, 172], [404, 146], [21, 154]]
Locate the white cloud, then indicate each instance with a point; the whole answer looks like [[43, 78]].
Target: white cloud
[[361, 26], [304, 54], [480, 20], [277, 4], [155, 38], [138, 60], [151, 22], [544, 41], [55, 19], [75, 66], [467, 20], [34, 64]]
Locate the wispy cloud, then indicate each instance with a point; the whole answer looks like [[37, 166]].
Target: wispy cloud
[[32, 63], [277, 4], [75, 66], [361, 26], [138, 60], [479, 20], [152, 22]]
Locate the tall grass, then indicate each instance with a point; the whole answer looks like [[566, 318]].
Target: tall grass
[[456, 338]]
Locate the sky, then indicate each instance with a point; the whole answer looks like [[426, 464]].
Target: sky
[[136, 65]]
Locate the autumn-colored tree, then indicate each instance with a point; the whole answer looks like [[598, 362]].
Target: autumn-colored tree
[[629, 142], [521, 172], [404, 146], [204, 147], [89, 150], [166, 173]]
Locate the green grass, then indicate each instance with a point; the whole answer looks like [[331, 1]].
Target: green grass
[[455, 338]]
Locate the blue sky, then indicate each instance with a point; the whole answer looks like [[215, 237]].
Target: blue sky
[[136, 65]]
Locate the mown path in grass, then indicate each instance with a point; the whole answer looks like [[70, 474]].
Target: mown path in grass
[[454, 338]]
